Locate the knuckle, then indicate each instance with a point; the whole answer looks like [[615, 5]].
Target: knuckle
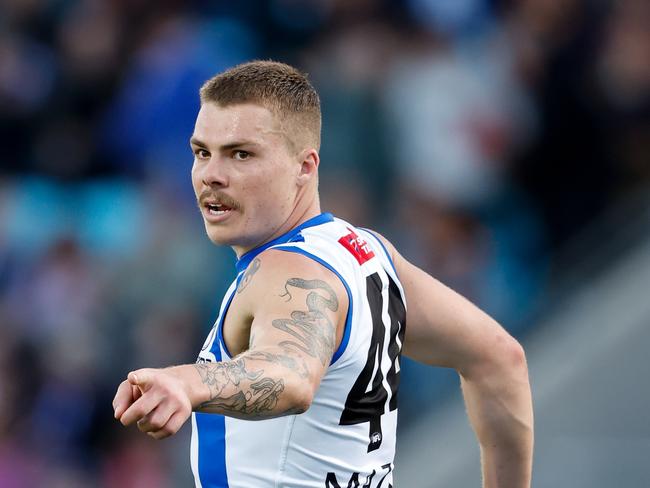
[[156, 434], [137, 412], [171, 429]]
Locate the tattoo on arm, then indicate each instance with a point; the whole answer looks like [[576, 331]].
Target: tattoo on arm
[[313, 331], [257, 396], [295, 364], [248, 274]]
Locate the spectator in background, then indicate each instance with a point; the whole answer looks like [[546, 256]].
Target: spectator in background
[[460, 113], [164, 72]]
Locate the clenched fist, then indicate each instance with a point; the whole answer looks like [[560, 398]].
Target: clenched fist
[[154, 398]]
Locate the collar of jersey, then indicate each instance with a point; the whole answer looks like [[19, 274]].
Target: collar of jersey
[[291, 236]]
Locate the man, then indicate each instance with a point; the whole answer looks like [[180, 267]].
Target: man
[[296, 385]]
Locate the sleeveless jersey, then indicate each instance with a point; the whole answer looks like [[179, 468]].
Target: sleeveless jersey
[[347, 437]]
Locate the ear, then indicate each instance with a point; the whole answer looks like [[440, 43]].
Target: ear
[[309, 161]]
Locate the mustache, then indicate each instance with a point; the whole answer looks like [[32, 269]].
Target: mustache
[[218, 197]]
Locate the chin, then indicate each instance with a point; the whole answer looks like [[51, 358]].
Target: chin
[[217, 236], [219, 239], [235, 236]]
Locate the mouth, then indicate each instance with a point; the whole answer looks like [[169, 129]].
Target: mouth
[[216, 209]]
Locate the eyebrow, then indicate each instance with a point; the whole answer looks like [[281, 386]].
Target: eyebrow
[[226, 147], [196, 142]]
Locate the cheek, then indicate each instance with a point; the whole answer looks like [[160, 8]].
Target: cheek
[[271, 191], [272, 199], [194, 176]]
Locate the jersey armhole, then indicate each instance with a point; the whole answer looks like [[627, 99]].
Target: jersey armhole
[[348, 319], [381, 243], [222, 319]]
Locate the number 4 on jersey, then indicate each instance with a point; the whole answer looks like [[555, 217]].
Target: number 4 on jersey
[[367, 399]]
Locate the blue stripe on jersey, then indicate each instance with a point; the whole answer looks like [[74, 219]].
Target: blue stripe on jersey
[[291, 236], [211, 430], [348, 319], [381, 243]]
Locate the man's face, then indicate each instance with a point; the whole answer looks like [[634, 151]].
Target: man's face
[[244, 176]]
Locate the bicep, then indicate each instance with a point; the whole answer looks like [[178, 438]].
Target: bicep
[[444, 328], [299, 318]]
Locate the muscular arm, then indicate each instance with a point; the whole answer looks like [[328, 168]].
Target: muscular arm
[[293, 337], [444, 329], [297, 309]]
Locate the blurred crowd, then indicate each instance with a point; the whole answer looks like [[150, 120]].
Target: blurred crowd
[[478, 135]]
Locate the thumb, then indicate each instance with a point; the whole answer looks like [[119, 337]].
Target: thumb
[[140, 377]]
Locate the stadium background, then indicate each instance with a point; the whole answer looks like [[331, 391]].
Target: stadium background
[[503, 145]]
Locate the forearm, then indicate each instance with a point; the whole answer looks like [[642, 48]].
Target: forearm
[[254, 385], [500, 409]]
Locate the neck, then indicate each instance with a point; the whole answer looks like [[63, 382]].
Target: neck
[[301, 213]]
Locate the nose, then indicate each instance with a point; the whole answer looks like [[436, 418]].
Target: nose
[[214, 173]]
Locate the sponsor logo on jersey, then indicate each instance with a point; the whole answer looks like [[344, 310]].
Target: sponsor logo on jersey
[[357, 246], [331, 481]]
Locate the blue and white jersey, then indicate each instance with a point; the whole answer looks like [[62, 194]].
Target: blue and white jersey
[[347, 437]]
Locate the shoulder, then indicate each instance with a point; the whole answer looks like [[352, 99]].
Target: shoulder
[[390, 249], [274, 270], [276, 263]]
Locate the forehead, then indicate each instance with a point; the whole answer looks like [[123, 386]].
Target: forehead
[[218, 125]]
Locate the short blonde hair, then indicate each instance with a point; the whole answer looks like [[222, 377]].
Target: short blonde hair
[[281, 88]]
